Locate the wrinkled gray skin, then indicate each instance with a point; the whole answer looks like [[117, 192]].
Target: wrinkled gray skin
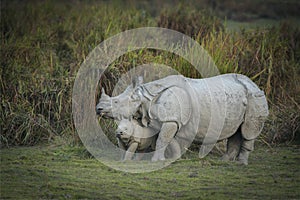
[[133, 137], [183, 108]]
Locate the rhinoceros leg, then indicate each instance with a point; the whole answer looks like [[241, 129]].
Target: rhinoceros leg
[[121, 146], [246, 148], [167, 133], [175, 149], [233, 147], [130, 151], [140, 155]]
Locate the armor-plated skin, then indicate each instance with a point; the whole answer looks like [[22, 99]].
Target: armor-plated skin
[[227, 106]]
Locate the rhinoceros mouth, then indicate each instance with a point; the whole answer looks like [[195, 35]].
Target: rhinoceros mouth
[[126, 139], [104, 115]]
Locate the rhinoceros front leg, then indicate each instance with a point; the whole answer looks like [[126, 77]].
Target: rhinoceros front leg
[[175, 149], [246, 148], [121, 146], [130, 151], [140, 155], [167, 133], [233, 147]]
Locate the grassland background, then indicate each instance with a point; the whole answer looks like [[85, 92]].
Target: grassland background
[[43, 44]]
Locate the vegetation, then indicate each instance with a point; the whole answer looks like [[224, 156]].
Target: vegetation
[[43, 44], [69, 173], [42, 47]]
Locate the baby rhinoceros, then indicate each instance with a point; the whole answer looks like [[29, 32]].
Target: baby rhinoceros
[[133, 137]]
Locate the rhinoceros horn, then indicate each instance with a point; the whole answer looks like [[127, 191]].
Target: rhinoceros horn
[[104, 96]]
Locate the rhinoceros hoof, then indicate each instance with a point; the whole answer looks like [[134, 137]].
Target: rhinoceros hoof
[[242, 162], [225, 157], [158, 157], [156, 160]]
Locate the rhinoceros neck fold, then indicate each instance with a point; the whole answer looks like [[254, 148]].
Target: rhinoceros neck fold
[[155, 88]]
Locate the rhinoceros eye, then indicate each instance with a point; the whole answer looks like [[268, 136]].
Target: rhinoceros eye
[[116, 101]]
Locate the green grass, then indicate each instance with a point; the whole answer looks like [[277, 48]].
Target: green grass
[[63, 172], [261, 23]]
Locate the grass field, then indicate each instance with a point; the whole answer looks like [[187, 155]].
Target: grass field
[[44, 43], [60, 172]]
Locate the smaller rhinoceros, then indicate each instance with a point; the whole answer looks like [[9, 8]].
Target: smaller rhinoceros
[[133, 137]]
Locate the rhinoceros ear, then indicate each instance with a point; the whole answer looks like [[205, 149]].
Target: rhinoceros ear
[[136, 95], [137, 81]]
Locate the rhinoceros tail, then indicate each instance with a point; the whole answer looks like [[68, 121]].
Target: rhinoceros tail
[[256, 109]]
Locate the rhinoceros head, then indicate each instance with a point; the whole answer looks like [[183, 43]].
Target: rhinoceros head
[[125, 105], [125, 130]]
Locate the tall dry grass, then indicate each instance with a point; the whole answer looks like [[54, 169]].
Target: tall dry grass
[[44, 43]]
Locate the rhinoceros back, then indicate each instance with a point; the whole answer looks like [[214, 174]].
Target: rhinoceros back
[[220, 106], [154, 88]]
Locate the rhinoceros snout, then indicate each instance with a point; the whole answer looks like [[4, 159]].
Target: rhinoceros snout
[[119, 134], [99, 110]]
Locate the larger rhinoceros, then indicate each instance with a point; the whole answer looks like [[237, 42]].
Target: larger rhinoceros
[[212, 109]]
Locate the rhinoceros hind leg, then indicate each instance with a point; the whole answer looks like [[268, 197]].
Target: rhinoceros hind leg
[[233, 147], [246, 148]]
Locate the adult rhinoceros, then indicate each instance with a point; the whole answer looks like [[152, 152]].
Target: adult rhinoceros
[[227, 106]]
